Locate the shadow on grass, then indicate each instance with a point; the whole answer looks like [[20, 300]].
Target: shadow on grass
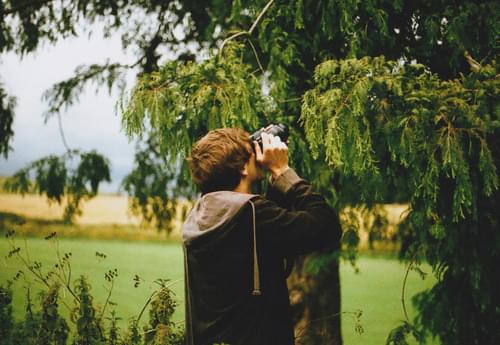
[[36, 227], [8, 218]]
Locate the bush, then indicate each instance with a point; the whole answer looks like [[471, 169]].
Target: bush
[[43, 325]]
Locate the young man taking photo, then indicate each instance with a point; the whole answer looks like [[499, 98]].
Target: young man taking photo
[[236, 243]]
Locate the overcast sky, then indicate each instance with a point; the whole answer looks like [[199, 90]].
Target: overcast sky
[[90, 124]]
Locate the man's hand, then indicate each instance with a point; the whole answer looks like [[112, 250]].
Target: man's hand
[[274, 154]]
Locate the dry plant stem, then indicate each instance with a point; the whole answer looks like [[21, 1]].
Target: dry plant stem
[[60, 261], [145, 306], [107, 299], [66, 279], [26, 249], [28, 295], [38, 275], [149, 331], [296, 99], [259, 18], [256, 56], [151, 298], [241, 33]]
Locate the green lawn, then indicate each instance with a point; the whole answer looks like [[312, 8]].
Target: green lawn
[[376, 289]]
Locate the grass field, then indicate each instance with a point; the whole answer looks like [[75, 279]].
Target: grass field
[[108, 217], [107, 227], [376, 290]]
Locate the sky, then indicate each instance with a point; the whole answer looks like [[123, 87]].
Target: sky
[[91, 124]]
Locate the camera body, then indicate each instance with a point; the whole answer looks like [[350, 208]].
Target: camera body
[[279, 130]]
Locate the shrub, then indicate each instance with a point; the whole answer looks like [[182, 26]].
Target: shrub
[[45, 326]]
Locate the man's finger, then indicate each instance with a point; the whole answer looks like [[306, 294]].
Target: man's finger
[[276, 141], [258, 151], [266, 141]]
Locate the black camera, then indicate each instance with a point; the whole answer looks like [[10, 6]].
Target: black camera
[[279, 130]]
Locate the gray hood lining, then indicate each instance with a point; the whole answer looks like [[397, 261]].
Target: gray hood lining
[[211, 211]]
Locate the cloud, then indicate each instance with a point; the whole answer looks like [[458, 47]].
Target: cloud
[[89, 125]]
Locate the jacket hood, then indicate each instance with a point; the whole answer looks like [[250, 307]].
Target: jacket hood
[[211, 211]]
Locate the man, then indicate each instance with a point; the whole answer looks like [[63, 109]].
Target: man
[[236, 242]]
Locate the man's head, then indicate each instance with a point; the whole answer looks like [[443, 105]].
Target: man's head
[[221, 159]]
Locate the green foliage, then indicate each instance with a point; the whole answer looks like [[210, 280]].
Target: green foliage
[[399, 335], [89, 329], [41, 327], [144, 27], [182, 101], [161, 330], [54, 177], [133, 337], [28, 25], [6, 320], [153, 194], [53, 329], [438, 128], [114, 332], [388, 130], [66, 93], [45, 326], [176, 106], [436, 139], [7, 104]]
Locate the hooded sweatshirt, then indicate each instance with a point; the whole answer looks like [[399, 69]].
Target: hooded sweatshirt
[[235, 246]]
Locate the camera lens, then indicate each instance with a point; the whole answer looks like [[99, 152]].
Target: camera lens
[[279, 130]]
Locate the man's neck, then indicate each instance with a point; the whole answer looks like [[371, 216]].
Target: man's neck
[[244, 187]]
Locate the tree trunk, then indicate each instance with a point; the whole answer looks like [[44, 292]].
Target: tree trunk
[[315, 302]]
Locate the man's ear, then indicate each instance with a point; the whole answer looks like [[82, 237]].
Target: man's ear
[[244, 171]]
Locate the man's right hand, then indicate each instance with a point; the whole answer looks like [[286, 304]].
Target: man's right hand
[[274, 154]]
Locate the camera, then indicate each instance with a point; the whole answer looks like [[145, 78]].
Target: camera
[[279, 130]]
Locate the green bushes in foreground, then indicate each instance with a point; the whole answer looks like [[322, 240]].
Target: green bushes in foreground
[[89, 324]]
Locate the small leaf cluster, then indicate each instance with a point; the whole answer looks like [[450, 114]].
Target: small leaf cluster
[[154, 187], [7, 105], [55, 177], [161, 329], [400, 334], [39, 327]]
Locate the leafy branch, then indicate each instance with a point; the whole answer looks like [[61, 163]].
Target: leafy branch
[[54, 177], [248, 35]]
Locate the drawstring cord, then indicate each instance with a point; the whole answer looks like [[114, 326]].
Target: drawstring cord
[[256, 278], [189, 334]]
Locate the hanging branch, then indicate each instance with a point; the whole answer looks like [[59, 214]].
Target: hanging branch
[[248, 34], [259, 18], [403, 289], [403, 292], [61, 133]]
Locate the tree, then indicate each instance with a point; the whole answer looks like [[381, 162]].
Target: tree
[[290, 40], [26, 25], [439, 141]]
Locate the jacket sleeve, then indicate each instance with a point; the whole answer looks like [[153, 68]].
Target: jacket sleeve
[[307, 224]]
